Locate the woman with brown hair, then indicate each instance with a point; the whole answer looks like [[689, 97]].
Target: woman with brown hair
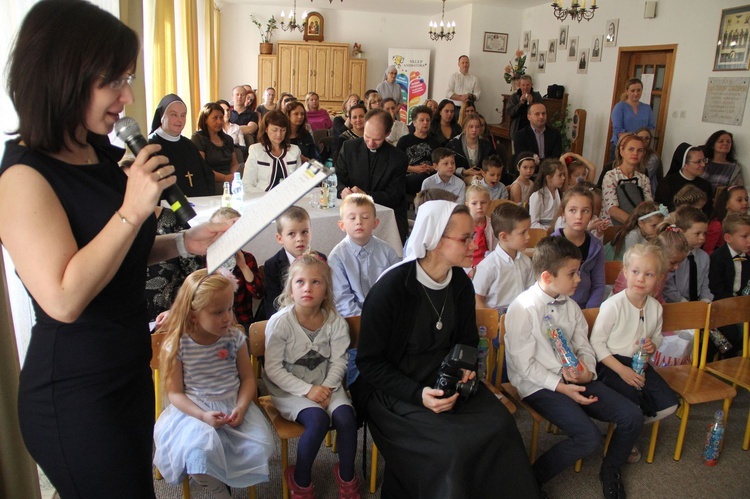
[[298, 134], [86, 397], [216, 147], [273, 158]]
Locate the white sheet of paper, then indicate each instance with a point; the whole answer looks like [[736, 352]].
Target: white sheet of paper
[[274, 203], [648, 85]]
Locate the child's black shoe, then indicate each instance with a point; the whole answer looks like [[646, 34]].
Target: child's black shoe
[[611, 482]]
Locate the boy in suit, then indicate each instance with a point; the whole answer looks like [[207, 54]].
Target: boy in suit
[[293, 234], [729, 272]]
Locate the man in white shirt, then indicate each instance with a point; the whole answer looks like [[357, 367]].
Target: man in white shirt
[[463, 86]]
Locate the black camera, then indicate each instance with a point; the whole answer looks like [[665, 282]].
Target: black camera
[[450, 375]]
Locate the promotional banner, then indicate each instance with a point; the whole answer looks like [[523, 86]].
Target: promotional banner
[[413, 66]]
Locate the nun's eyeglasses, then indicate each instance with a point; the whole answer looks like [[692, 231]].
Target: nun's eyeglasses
[[465, 240]]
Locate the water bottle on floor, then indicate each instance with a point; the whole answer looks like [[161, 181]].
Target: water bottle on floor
[[713, 440]]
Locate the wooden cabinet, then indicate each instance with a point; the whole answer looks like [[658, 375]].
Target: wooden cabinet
[[325, 68], [267, 69], [357, 77]]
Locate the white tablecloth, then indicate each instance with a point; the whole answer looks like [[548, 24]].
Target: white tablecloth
[[324, 225]]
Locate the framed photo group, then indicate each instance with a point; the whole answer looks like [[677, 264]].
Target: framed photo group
[[733, 44]]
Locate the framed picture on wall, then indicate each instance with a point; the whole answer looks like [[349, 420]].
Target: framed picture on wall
[[573, 49], [526, 40], [314, 27], [610, 38], [596, 48], [583, 61], [563, 37], [541, 62], [733, 46], [496, 42], [552, 50], [534, 50]]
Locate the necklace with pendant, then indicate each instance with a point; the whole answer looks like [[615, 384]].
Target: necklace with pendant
[[439, 323]]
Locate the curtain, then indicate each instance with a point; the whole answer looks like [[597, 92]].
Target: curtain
[[131, 13], [182, 47]]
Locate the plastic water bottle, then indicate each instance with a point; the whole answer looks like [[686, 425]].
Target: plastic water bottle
[[746, 289], [333, 184], [238, 192], [721, 341], [560, 344], [640, 358], [226, 198], [482, 349], [713, 440]]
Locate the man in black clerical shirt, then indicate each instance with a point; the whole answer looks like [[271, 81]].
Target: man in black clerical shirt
[[370, 165]]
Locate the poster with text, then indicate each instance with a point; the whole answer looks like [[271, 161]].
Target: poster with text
[[413, 66]]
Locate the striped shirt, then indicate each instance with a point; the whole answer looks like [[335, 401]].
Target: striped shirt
[[210, 371]]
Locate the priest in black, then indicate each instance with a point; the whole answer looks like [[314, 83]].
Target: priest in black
[[370, 165], [194, 176]]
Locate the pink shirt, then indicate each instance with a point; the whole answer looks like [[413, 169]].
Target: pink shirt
[[319, 120]]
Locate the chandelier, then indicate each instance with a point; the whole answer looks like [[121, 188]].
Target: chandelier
[[577, 11], [447, 31], [292, 24]]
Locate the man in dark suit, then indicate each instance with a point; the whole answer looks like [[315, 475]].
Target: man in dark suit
[[530, 137], [520, 101], [370, 165]]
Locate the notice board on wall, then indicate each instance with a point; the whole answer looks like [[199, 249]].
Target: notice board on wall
[[725, 100]]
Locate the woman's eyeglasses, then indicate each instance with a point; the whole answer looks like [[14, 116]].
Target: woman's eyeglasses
[[118, 83]]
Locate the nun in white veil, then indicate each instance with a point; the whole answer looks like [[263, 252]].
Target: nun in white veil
[[388, 87], [434, 446]]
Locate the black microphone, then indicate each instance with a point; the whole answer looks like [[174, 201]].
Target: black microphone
[[128, 131]]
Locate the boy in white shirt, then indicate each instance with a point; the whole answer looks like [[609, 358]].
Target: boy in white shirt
[[566, 397], [444, 162], [505, 272], [492, 174]]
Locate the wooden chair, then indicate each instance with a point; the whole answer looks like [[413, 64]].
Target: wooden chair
[[512, 393], [691, 382], [284, 428], [157, 339], [612, 272], [495, 203], [736, 370], [536, 235]]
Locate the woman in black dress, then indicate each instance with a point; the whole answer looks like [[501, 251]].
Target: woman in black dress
[[216, 147], [85, 402], [434, 447]]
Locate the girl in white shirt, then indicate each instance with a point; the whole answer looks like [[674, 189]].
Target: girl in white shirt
[[544, 203], [626, 321]]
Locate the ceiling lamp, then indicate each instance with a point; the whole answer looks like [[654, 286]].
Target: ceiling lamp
[[447, 31], [292, 24], [576, 11]]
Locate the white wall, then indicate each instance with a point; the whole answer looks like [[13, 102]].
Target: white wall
[[691, 24], [378, 32]]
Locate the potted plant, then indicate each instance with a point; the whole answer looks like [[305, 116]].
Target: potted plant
[[266, 47]]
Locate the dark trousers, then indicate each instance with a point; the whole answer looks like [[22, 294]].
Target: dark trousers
[[658, 390], [574, 421]]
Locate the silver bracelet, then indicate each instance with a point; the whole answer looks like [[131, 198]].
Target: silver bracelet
[[179, 241]]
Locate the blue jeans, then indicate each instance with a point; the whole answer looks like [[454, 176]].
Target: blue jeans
[[574, 421]]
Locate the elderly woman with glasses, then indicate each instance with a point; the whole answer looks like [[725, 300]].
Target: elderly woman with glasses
[[435, 443], [694, 164]]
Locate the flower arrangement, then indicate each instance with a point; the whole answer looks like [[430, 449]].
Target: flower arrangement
[[265, 36], [516, 68], [357, 49]]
